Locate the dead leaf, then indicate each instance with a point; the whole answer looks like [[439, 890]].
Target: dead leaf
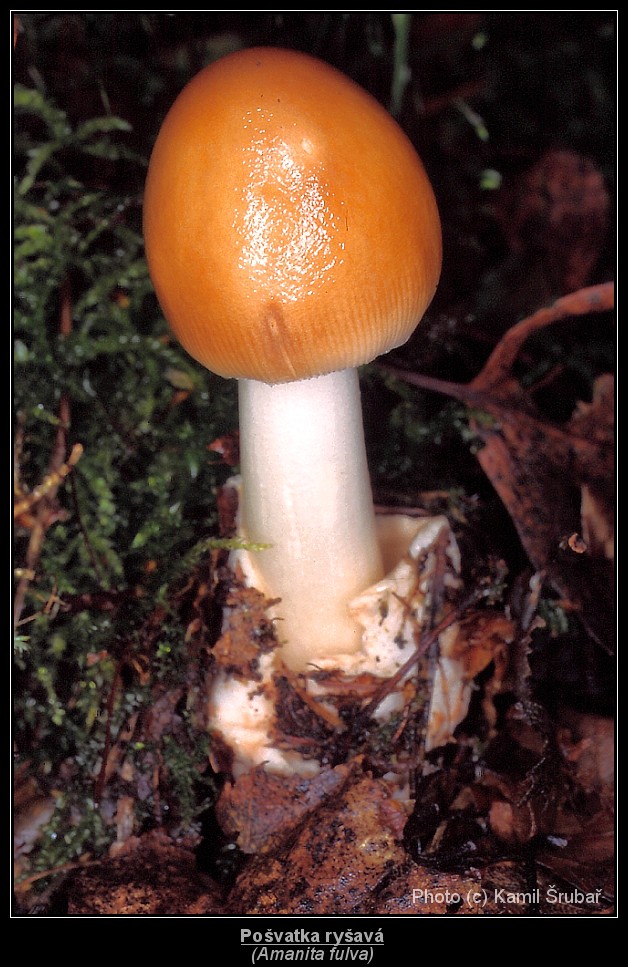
[[420, 891], [287, 801], [596, 420], [247, 632], [228, 447], [155, 878], [333, 864], [540, 470], [484, 637], [558, 214]]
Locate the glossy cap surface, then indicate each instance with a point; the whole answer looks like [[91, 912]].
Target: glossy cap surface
[[290, 227]]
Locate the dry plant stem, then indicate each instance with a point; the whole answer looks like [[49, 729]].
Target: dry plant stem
[[486, 391], [43, 514], [23, 885], [99, 785], [502, 410], [84, 532], [595, 298], [42, 521], [428, 639], [48, 483], [496, 370], [306, 491]]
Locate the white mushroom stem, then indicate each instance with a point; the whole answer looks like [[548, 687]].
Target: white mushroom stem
[[306, 491]]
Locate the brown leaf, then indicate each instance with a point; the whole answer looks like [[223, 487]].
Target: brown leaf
[[504, 888], [482, 637], [548, 478], [587, 860], [596, 421], [523, 778], [532, 471], [511, 891], [156, 878], [334, 863], [558, 214], [247, 632], [421, 892], [262, 809], [540, 470], [228, 447]]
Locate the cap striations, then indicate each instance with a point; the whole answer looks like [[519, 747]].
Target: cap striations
[[291, 230]]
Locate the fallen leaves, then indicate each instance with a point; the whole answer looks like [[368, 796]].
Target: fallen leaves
[[559, 213], [515, 817], [554, 480], [288, 802], [493, 827], [247, 633], [487, 829], [334, 863], [155, 877]]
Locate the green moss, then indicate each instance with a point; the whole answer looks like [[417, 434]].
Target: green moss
[[135, 514]]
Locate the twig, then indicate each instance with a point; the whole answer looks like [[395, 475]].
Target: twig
[[43, 516], [496, 370], [427, 641], [492, 389], [101, 780], [458, 391], [53, 480], [84, 532], [65, 868], [436, 105], [596, 298]]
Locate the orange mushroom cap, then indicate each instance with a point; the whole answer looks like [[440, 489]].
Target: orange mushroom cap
[[290, 227]]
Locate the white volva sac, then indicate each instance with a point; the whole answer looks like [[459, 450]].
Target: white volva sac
[[243, 712]]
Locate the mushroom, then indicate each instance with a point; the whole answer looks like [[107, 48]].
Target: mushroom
[[292, 235]]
